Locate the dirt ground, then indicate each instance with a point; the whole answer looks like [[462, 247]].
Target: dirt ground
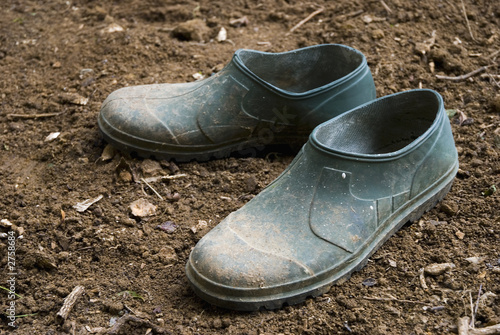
[[60, 59]]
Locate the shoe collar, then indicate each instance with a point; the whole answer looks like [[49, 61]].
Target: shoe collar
[[239, 62], [320, 134]]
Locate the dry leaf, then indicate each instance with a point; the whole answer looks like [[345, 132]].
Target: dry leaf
[[82, 206], [425, 46], [201, 224], [167, 226], [108, 153], [125, 172], [464, 119], [52, 136]]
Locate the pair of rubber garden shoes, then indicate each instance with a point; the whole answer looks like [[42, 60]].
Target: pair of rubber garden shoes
[[369, 166]]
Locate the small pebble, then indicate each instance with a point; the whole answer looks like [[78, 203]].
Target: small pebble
[[378, 34], [495, 104], [475, 260], [369, 282], [449, 208], [167, 226]]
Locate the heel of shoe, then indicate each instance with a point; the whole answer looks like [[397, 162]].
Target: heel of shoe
[[430, 203]]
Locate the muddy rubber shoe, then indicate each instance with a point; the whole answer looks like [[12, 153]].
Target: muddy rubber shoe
[[359, 178], [257, 99]]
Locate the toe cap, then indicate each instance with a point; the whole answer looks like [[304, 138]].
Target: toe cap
[[224, 263]]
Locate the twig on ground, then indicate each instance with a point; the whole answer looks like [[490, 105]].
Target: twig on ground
[[33, 116], [467, 21], [387, 8], [463, 325], [474, 311], [121, 322], [465, 329], [421, 276], [313, 14], [175, 176], [69, 302], [397, 300], [493, 54], [466, 324], [464, 76], [151, 187], [491, 77], [491, 330], [155, 179], [136, 313], [471, 309], [351, 14], [346, 325]]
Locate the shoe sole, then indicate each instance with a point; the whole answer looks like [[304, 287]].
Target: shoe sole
[[423, 203], [245, 148]]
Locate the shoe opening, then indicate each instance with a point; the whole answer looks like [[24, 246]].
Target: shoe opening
[[382, 126], [304, 69]]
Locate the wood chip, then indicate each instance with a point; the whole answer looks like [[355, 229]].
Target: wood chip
[[463, 325], [491, 330], [69, 302]]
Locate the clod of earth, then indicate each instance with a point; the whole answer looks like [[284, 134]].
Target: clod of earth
[[438, 269]]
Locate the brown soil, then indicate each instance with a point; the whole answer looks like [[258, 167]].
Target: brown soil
[[54, 54]]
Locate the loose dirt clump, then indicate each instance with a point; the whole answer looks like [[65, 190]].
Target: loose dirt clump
[[60, 59]]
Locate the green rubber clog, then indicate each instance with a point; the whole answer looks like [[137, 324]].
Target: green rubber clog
[[257, 99], [359, 178]]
